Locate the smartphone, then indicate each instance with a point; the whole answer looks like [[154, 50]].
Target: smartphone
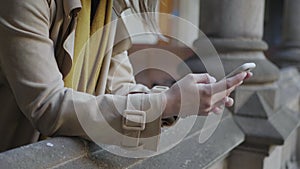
[[246, 67]]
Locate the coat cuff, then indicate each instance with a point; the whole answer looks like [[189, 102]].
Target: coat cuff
[[141, 122]]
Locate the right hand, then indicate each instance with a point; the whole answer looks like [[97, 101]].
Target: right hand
[[212, 95]]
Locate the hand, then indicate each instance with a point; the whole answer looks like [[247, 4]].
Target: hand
[[202, 90]]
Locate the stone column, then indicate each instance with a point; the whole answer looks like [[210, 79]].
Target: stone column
[[289, 53], [235, 28]]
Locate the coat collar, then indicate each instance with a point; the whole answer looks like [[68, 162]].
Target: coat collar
[[120, 5], [71, 6]]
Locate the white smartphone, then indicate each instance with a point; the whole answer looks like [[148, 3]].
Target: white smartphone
[[246, 67]]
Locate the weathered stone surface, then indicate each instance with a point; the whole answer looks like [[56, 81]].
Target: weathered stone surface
[[63, 153], [290, 47], [230, 45], [256, 100], [191, 154], [287, 57], [285, 122], [232, 19], [289, 151], [298, 147], [247, 156], [268, 132], [81, 163], [100, 159], [265, 122], [240, 159], [235, 28], [259, 131], [289, 88], [45, 154]]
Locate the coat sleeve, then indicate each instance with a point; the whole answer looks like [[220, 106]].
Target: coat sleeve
[[121, 81], [28, 63]]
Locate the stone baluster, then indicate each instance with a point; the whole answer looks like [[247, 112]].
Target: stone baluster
[[235, 28], [289, 53]]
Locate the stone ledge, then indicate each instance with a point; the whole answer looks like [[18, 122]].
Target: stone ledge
[[62, 152], [190, 154], [45, 154], [72, 153]]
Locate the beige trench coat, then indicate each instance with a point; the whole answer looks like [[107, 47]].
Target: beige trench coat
[[36, 49]]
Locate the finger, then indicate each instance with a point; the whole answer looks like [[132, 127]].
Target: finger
[[235, 80], [228, 83], [217, 97], [218, 110], [220, 102], [219, 106], [203, 78], [228, 91], [220, 95], [229, 102], [249, 74]]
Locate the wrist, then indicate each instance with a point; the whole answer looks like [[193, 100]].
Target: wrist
[[170, 105]]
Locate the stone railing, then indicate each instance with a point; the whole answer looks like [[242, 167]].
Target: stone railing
[[77, 153]]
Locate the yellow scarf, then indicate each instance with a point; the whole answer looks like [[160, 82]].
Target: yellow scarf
[[90, 46]]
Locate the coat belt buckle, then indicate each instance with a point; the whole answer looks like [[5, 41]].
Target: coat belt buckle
[[134, 120]]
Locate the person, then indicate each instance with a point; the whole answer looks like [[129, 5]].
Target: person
[[49, 87]]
